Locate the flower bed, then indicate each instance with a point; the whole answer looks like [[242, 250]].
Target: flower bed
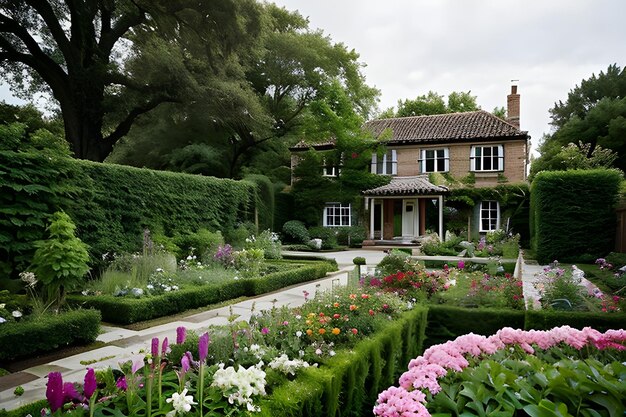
[[123, 310], [539, 372]]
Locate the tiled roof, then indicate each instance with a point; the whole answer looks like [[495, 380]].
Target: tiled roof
[[407, 186], [468, 126], [319, 146]]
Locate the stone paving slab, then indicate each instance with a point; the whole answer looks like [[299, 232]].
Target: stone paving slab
[[74, 362], [110, 333]]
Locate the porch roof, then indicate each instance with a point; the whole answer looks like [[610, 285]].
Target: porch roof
[[418, 185]]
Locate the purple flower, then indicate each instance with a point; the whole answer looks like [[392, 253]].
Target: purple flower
[[265, 330], [90, 383], [155, 347], [69, 392], [121, 383], [54, 391], [203, 347], [181, 335], [137, 365], [460, 265], [165, 346], [185, 362], [190, 358]]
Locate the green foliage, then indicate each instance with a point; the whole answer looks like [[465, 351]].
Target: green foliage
[[327, 234], [295, 231], [35, 180], [594, 114], [395, 261], [47, 333], [267, 242], [352, 236], [264, 200], [433, 103], [359, 260], [572, 214], [545, 320], [248, 262], [61, 261], [202, 242]]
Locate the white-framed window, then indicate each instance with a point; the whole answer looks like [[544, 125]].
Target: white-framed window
[[331, 165], [489, 216], [435, 160], [386, 164], [337, 215], [487, 158]]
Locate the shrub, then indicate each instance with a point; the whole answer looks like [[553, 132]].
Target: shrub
[[248, 262], [327, 234], [352, 236], [266, 241], [61, 261], [294, 231], [395, 261], [203, 243], [47, 333], [359, 260], [573, 214]]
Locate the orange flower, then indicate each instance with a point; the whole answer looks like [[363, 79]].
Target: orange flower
[[353, 296], [354, 331], [365, 296], [322, 330], [309, 332], [353, 307], [336, 331], [336, 305]]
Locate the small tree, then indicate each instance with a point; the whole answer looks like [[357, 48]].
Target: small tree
[[61, 261]]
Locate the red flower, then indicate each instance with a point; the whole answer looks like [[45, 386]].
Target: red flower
[[354, 331], [336, 316], [371, 312]]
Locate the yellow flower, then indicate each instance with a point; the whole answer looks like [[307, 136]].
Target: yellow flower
[[336, 331], [309, 332]]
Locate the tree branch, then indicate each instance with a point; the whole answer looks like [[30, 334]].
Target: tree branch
[[52, 22], [109, 37]]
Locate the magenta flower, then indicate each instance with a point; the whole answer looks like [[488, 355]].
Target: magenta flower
[[184, 362], [461, 265], [181, 335], [165, 346], [190, 358], [203, 347], [70, 393], [155, 347], [265, 330], [54, 391], [121, 383], [90, 383]]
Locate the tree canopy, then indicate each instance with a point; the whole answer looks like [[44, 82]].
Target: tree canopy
[[106, 63], [593, 115], [433, 103]]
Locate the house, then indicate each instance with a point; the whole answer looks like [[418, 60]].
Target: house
[[474, 147]]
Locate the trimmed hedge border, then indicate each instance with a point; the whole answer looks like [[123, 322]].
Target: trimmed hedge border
[[349, 383], [131, 310], [48, 333]]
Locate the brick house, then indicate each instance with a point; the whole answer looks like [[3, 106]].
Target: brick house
[[476, 146]]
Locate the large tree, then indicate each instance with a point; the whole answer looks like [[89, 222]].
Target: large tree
[[433, 103], [295, 80], [107, 62], [594, 114]]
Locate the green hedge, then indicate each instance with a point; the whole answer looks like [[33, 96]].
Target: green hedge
[[349, 383], [545, 320], [131, 310], [118, 202], [264, 200], [573, 214], [34, 409], [47, 333]]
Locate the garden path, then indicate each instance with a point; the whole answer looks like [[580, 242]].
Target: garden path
[[123, 344]]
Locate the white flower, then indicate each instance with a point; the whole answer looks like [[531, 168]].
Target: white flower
[[189, 258], [150, 286], [301, 353], [318, 351], [17, 314], [3, 305], [287, 366], [332, 353], [298, 333], [174, 287], [159, 269], [2, 320], [181, 402]]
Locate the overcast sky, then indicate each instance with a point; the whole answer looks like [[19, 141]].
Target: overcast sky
[[413, 46]]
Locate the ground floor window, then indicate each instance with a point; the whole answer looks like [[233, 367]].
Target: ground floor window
[[489, 216], [337, 214]]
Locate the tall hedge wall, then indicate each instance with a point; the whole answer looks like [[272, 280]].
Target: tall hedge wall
[[110, 204], [573, 214], [118, 202]]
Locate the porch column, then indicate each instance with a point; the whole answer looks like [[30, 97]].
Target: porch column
[[382, 219], [441, 236], [372, 218]]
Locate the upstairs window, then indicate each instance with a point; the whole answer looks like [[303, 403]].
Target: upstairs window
[[337, 215], [489, 216], [435, 160], [487, 158], [331, 165], [386, 164]]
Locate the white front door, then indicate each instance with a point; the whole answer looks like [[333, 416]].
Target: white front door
[[409, 216]]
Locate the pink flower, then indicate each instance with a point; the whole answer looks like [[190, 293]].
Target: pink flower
[[70, 393], [460, 265], [164, 347], [137, 365], [90, 383], [181, 335], [121, 383], [155, 348], [184, 362], [265, 330], [54, 391]]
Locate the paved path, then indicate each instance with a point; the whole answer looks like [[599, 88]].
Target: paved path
[[123, 344]]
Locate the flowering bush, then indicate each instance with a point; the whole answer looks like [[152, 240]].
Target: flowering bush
[[494, 365], [559, 288], [248, 262], [473, 289], [224, 256], [268, 242], [419, 285]]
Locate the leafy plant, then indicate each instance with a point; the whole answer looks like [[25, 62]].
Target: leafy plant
[[61, 261], [295, 231]]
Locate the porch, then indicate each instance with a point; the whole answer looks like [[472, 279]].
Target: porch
[[403, 211]]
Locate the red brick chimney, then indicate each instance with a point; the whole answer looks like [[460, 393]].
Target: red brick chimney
[[512, 107]]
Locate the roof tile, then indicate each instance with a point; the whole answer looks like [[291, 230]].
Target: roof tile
[[407, 185]]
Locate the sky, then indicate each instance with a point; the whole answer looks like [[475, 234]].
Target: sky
[[410, 47], [413, 46]]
